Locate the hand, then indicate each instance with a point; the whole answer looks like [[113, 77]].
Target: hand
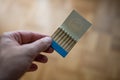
[[18, 50]]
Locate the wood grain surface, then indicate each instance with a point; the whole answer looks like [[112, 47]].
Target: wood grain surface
[[95, 57]]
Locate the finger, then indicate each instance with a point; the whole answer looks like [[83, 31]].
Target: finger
[[41, 58], [49, 50], [38, 46], [24, 37], [33, 67]]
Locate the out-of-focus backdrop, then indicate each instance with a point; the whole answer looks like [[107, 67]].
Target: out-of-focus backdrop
[[95, 57]]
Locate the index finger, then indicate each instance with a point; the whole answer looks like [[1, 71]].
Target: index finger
[[23, 37]]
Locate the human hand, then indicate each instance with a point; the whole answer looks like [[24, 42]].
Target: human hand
[[18, 50]]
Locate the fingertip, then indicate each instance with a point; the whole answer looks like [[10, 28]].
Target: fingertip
[[41, 58], [47, 39], [33, 67], [49, 50]]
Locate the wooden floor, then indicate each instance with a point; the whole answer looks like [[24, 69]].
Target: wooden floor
[[95, 57]]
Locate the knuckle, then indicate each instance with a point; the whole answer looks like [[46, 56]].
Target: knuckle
[[5, 34]]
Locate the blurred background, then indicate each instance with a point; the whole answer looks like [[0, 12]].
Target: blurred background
[[95, 57]]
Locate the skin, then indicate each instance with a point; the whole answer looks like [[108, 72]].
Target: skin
[[18, 50]]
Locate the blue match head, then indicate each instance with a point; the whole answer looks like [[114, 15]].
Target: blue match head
[[59, 49]]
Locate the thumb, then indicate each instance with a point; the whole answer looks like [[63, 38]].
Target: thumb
[[38, 46]]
